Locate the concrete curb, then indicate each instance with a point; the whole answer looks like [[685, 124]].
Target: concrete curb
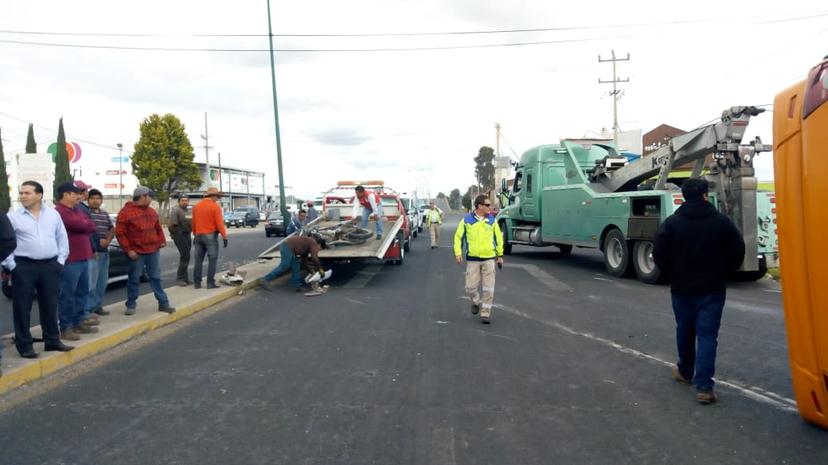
[[21, 371]]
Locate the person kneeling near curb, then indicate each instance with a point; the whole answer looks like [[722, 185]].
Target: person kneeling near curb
[[292, 250]]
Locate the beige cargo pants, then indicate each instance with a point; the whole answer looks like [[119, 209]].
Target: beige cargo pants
[[434, 229], [481, 274]]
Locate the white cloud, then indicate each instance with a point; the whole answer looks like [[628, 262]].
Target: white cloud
[[413, 118]]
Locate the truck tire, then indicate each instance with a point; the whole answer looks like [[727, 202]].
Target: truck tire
[[645, 268], [617, 254], [507, 246], [400, 260], [565, 249]]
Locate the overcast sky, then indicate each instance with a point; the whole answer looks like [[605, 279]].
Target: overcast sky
[[414, 118]]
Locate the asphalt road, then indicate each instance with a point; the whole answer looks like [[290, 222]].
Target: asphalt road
[[390, 367], [244, 246]]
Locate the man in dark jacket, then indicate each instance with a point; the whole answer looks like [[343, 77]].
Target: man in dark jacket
[[698, 247]]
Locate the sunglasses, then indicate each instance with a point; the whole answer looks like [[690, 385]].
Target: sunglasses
[[486, 204]]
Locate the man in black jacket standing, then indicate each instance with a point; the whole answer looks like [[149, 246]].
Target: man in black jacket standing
[[698, 247]]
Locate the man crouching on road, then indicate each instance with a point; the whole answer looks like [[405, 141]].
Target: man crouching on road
[[292, 250], [698, 247], [140, 235], [479, 235]]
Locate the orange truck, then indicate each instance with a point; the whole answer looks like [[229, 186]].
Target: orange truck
[[800, 136]]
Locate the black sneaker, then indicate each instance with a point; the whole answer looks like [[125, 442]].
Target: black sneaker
[[212, 286], [166, 308], [197, 285], [485, 320], [379, 237], [475, 308]]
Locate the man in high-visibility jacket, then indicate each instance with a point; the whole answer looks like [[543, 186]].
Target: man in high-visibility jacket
[[434, 219], [479, 236]]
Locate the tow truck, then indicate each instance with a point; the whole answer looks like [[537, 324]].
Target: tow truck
[[577, 194], [337, 212]]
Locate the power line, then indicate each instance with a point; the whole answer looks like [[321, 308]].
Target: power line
[[311, 50], [803, 16]]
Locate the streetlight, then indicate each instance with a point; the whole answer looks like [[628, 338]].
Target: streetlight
[[282, 206], [121, 174]]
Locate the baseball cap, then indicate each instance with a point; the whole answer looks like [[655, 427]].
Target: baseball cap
[[143, 190], [68, 186], [82, 185]]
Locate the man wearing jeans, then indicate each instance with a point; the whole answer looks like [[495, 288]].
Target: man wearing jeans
[[74, 282], [208, 223], [99, 264], [698, 247], [292, 250], [367, 205], [140, 235]]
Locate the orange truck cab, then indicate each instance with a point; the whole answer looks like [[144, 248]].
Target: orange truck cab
[[800, 137]]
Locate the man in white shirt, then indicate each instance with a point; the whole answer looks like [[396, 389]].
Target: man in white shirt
[[36, 265]]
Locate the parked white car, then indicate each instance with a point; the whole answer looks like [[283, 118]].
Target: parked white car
[[415, 219]]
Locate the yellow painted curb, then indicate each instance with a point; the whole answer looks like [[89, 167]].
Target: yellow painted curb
[[44, 366]]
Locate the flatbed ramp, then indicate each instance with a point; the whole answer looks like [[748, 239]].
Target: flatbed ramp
[[371, 248]]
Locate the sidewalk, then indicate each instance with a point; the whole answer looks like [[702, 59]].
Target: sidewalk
[[117, 328]]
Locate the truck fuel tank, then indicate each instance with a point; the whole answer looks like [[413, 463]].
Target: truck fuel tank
[[528, 235]]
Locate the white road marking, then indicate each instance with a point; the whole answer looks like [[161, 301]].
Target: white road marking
[[545, 278], [751, 392]]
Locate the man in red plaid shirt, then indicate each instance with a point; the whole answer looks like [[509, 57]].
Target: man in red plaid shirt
[[140, 236]]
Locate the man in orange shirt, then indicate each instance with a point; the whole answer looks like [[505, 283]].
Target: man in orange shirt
[[208, 223]]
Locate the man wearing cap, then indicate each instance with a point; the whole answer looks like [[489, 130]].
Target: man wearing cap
[[74, 282], [312, 213], [140, 235], [208, 223], [36, 265], [181, 232], [434, 219], [367, 205], [89, 317]]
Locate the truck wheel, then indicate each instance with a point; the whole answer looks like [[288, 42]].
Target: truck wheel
[[617, 254], [507, 246], [565, 249], [407, 245], [646, 269], [414, 233], [400, 260]]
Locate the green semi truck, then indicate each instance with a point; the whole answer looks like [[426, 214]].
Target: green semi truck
[[587, 195]]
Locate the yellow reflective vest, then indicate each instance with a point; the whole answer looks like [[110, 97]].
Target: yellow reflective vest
[[434, 216], [479, 238]]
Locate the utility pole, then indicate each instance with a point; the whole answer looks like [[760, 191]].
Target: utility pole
[[616, 94], [282, 200], [206, 138]]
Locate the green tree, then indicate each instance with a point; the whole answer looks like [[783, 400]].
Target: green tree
[[62, 173], [163, 158], [455, 199], [5, 200], [484, 168], [469, 196], [31, 145]]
